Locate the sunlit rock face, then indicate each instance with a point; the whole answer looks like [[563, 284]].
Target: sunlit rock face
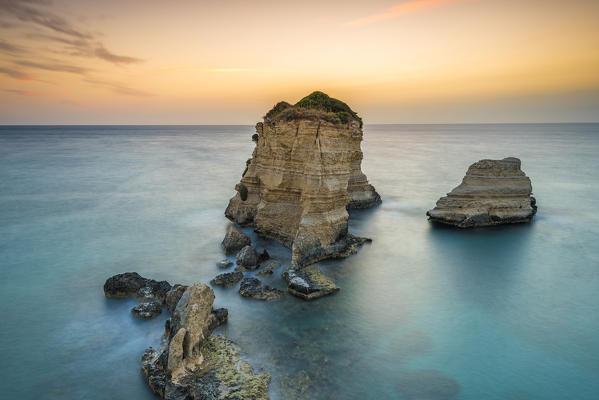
[[305, 172], [492, 192]]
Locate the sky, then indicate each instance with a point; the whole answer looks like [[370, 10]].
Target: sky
[[230, 61]]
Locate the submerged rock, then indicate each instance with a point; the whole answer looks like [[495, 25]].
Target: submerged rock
[[254, 288], [131, 283], [427, 384], [147, 310], [304, 174], [269, 269], [224, 264], [492, 192], [264, 256], [309, 282], [247, 258], [227, 279], [234, 240]]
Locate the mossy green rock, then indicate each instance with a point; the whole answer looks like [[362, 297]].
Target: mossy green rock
[[315, 105]]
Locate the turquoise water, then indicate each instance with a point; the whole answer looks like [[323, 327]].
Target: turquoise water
[[424, 312]]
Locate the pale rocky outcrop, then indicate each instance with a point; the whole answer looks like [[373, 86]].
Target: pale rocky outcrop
[[305, 172], [191, 364], [492, 192]]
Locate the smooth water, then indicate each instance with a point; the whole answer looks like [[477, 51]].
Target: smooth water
[[425, 312]]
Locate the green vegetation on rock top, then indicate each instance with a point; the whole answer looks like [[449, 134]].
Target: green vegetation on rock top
[[315, 105]]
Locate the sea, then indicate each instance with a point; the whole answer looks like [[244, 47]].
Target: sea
[[425, 312]]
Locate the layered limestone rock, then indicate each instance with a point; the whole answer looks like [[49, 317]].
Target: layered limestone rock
[[492, 192], [305, 172]]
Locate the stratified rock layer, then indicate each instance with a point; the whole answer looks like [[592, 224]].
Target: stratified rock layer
[[305, 172], [492, 192]]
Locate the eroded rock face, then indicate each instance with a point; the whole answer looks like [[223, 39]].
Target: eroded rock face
[[227, 279], [247, 258], [190, 364], [193, 365], [309, 282], [254, 288], [492, 192], [234, 240], [305, 172], [131, 283], [147, 309]]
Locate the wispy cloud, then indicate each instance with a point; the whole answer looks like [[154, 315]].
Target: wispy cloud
[[51, 66], [22, 76], [29, 11], [399, 10], [10, 48], [118, 88], [74, 41], [18, 75], [104, 54], [197, 69], [26, 93]]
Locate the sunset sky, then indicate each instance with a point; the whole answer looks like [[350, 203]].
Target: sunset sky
[[229, 61]]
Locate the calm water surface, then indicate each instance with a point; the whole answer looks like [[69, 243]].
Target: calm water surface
[[424, 312]]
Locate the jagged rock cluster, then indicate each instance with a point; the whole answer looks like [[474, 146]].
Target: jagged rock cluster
[[305, 172], [492, 192], [304, 282], [190, 364]]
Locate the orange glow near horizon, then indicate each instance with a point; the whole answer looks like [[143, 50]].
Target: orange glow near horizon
[[188, 62]]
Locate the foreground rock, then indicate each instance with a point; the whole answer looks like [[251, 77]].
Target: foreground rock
[[234, 240], [492, 192], [247, 258], [147, 310], [252, 287], [190, 364], [309, 282], [131, 283], [305, 172], [227, 279], [224, 375]]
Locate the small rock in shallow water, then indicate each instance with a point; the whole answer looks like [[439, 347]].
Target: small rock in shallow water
[[147, 310], [263, 256], [227, 279], [269, 269], [234, 240], [252, 287], [309, 282], [224, 264], [131, 283], [247, 258]]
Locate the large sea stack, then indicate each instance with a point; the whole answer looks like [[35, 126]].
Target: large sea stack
[[492, 192], [304, 174]]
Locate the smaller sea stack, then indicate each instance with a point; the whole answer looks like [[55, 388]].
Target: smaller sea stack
[[493, 192]]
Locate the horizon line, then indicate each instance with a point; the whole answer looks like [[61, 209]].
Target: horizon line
[[385, 123]]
